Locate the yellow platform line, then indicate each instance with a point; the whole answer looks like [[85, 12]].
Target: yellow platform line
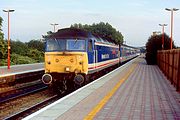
[[99, 106]]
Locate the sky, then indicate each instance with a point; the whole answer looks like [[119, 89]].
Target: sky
[[135, 19]]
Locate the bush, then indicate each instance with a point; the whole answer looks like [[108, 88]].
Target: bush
[[18, 59], [153, 45], [19, 47], [36, 44], [150, 58], [36, 55], [3, 62]]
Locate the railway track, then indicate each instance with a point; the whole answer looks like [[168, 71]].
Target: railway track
[[32, 109], [21, 91], [16, 98], [22, 101]]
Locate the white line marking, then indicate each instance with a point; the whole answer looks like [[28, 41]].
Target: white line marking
[[23, 72], [21, 65]]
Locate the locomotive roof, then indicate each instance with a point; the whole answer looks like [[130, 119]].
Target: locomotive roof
[[78, 33], [70, 33]]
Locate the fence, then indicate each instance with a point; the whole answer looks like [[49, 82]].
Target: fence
[[169, 62]]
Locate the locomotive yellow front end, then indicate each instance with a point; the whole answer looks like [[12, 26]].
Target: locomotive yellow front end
[[66, 61]]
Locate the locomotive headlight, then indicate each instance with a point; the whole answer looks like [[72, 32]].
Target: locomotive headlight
[[48, 62], [67, 69], [80, 58], [48, 70]]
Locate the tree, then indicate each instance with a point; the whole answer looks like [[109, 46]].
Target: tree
[[36, 44], [153, 45], [22, 54], [19, 47], [1, 34], [19, 59], [36, 49], [3, 49], [105, 30], [36, 55], [3, 45]]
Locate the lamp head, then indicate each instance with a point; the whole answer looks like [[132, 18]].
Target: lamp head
[[175, 9], [8, 10], [167, 9]]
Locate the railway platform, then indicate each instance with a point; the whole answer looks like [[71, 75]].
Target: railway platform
[[19, 69], [133, 91]]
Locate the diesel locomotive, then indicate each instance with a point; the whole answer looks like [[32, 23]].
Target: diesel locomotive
[[73, 55]]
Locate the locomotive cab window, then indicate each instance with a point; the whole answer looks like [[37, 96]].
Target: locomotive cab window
[[65, 44], [74, 44], [55, 45]]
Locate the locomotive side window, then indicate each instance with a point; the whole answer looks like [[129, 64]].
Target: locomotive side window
[[90, 47]]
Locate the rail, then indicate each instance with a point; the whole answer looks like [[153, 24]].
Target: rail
[[169, 62], [32, 109]]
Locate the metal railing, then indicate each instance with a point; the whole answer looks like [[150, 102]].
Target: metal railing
[[169, 62]]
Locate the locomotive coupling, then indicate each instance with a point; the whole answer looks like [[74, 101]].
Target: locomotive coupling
[[79, 79], [47, 79]]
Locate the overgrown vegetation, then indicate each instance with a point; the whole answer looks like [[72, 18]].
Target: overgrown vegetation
[[153, 45], [24, 53], [2, 43]]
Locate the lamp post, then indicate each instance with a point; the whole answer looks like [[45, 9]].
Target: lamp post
[[171, 10], [163, 25], [54, 25], [8, 11]]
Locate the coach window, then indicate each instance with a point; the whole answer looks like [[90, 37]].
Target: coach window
[[90, 45]]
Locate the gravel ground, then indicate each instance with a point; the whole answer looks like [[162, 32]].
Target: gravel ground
[[22, 103]]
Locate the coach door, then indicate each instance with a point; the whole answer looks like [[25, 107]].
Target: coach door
[[95, 56], [91, 55]]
